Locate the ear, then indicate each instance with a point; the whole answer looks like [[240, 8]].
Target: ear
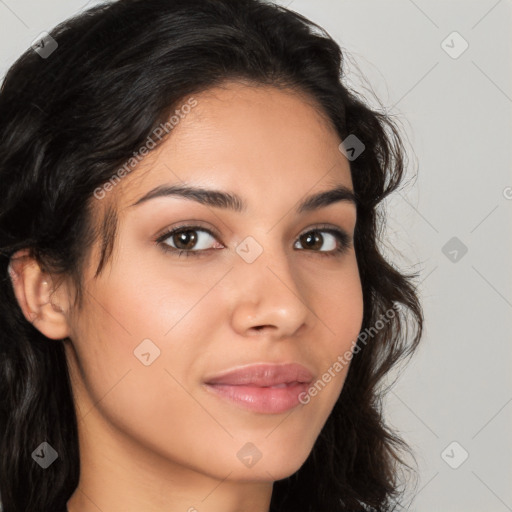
[[42, 306]]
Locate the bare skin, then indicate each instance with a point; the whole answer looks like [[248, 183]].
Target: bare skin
[[152, 437]]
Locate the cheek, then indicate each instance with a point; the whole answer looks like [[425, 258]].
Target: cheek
[[138, 354], [338, 299], [139, 302], [342, 311]]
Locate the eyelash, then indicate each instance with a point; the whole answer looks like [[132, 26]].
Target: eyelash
[[342, 238]]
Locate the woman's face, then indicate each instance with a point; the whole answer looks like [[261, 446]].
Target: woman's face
[[157, 325]]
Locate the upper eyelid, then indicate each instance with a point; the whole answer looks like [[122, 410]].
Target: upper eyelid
[[186, 227]]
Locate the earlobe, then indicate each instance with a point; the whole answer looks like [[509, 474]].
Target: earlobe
[[41, 305]]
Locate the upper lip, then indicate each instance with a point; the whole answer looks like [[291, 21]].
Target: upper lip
[[263, 375]]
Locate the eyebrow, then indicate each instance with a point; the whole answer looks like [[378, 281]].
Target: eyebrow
[[232, 201]]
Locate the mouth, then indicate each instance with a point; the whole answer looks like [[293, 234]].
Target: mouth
[[262, 388]]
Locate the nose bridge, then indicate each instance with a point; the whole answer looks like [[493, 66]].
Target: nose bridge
[[268, 293]]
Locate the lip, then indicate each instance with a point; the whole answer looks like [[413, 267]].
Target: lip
[[263, 375], [263, 388]]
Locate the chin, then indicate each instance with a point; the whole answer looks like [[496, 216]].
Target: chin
[[282, 465]]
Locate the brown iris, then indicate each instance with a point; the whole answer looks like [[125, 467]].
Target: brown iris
[[187, 239], [312, 240]]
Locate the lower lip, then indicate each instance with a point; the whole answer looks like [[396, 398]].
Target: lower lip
[[263, 400]]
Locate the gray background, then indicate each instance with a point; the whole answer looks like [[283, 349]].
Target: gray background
[[456, 112]]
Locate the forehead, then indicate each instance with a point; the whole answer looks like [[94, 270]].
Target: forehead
[[249, 139]]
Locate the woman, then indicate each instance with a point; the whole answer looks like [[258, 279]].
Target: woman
[[195, 311]]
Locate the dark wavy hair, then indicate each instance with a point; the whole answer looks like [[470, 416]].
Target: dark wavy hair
[[67, 122]]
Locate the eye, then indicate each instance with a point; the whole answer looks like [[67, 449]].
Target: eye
[[188, 240], [329, 241]]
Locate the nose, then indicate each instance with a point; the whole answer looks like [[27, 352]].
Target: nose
[[267, 297]]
